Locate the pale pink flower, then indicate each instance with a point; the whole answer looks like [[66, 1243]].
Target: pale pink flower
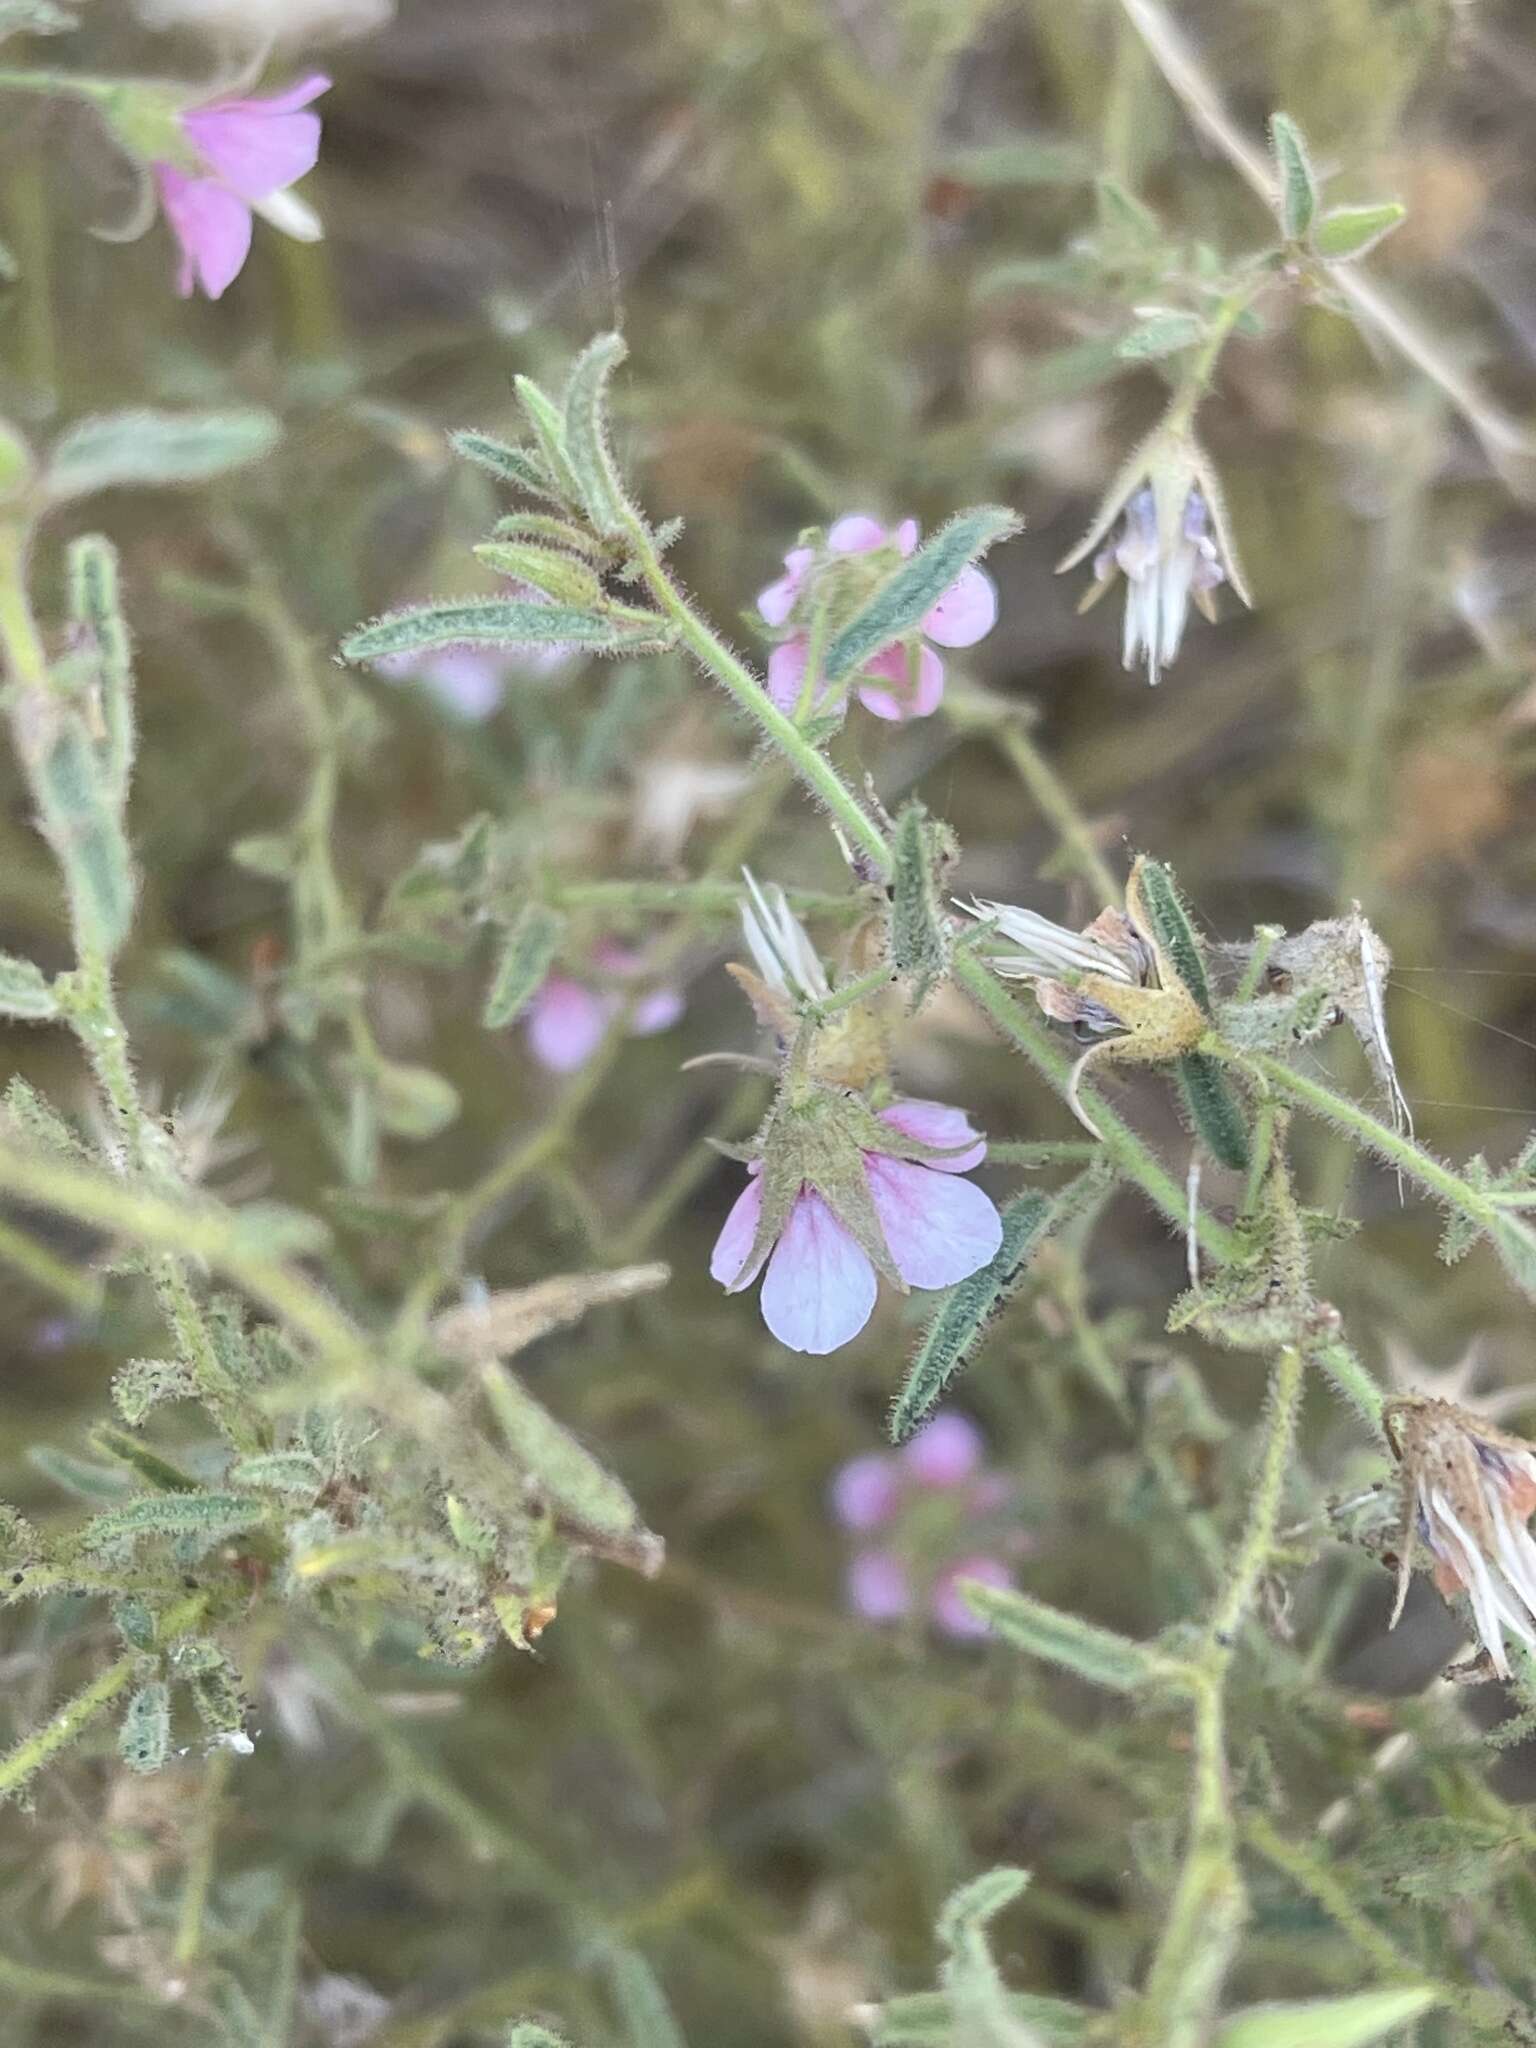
[[250, 151], [819, 1288], [567, 1019], [965, 614], [883, 1491]]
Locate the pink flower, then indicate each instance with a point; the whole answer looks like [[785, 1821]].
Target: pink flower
[[884, 1491], [950, 1611], [819, 1289], [965, 614], [567, 1018], [250, 152]]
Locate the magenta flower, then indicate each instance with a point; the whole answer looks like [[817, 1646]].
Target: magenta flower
[[248, 153], [819, 1288], [933, 1499], [567, 1018], [965, 614]]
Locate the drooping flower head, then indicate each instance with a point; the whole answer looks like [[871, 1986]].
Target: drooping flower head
[[568, 1018], [1163, 526], [829, 578], [921, 1516], [1076, 975], [840, 1190], [226, 159], [1468, 1491]]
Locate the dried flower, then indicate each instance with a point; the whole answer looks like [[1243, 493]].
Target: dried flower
[[567, 1018], [242, 155], [1068, 968], [1468, 1491], [1163, 525], [903, 680], [933, 1495]]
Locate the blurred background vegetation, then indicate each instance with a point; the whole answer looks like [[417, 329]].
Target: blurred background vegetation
[[844, 241]]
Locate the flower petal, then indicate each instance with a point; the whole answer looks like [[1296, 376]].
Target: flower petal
[[866, 1491], [777, 602], [738, 1234], [786, 674], [939, 1125], [855, 534], [905, 537], [966, 612], [944, 1452], [466, 683], [658, 1011], [903, 701], [212, 225], [951, 1612], [258, 146], [819, 1289], [937, 1227], [877, 1586], [566, 1023]]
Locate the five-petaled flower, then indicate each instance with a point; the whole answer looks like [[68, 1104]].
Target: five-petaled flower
[[839, 1190], [928, 1504], [1468, 1491], [1163, 526], [903, 680], [241, 156]]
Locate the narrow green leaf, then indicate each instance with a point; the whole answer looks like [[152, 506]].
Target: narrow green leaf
[[1161, 334], [928, 2019], [924, 851], [293, 1472], [1122, 216], [210, 1516], [543, 416], [642, 2003], [149, 447], [483, 622], [1157, 894], [1351, 231], [97, 615], [527, 954], [1213, 1109], [143, 1458], [577, 1488], [899, 606], [1025, 160], [968, 1909], [558, 574], [586, 435], [412, 1101], [966, 1312], [144, 1739], [1093, 1653], [1351, 2022], [1296, 188], [24, 990], [519, 468]]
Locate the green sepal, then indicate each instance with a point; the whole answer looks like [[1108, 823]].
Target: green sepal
[[1213, 1108]]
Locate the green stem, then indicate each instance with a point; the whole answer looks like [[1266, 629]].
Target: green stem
[[57, 83], [1196, 380], [1409, 1157], [1129, 1154], [712, 655], [1205, 1920], [30, 1754], [203, 1232], [198, 1881], [79, 1289]]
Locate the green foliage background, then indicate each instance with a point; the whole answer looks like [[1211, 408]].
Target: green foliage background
[[712, 1807]]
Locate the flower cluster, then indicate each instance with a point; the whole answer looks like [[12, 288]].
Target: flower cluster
[[933, 1499], [900, 681], [841, 1190]]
